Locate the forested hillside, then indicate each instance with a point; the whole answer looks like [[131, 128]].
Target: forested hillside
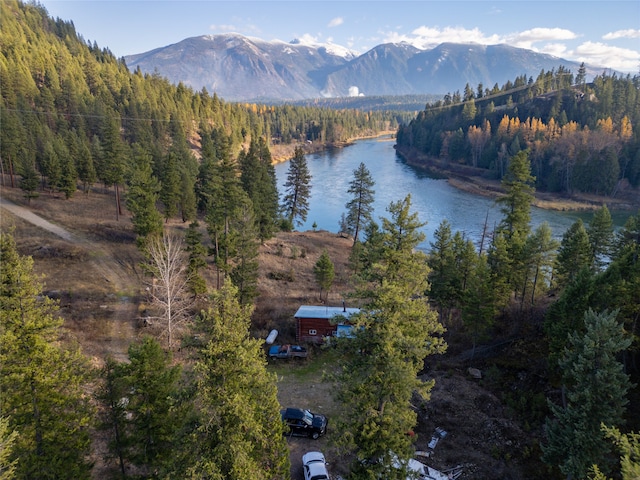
[[63, 99], [550, 327], [581, 137]]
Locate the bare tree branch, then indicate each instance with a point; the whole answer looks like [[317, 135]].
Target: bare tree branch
[[168, 289]]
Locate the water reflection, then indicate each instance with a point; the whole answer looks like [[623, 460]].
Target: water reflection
[[432, 199]]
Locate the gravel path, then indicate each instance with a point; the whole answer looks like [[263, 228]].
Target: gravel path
[[31, 217]]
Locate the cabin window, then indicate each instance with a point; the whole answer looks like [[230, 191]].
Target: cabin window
[[312, 332]]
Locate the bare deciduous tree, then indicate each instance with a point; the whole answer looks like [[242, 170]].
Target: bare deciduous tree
[[168, 289]]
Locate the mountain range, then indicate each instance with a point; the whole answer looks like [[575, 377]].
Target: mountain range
[[240, 68]]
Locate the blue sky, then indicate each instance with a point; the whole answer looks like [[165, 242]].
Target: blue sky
[[600, 33]]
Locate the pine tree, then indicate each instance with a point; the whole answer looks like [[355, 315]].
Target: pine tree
[[564, 316], [113, 416], [49, 166], [187, 201], [500, 265], [295, 203], [154, 411], [539, 255], [600, 232], [7, 442], [442, 274], [628, 445], [574, 254], [627, 241], [323, 271], [142, 195], [85, 166], [42, 383], [596, 389], [514, 227], [259, 181], [29, 181], [197, 259], [240, 432], [582, 75], [395, 330], [112, 156], [68, 177], [215, 148], [365, 255], [244, 274], [465, 259], [360, 207], [479, 302], [226, 198], [12, 141], [402, 233], [170, 191]]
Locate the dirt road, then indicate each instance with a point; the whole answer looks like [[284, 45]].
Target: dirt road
[[31, 217], [108, 331]]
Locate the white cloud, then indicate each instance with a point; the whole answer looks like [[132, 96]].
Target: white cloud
[[552, 41], [600, 54], [629, 33], [528, 38], [428, 37], [555, 49], [355, 92], [545, 34], [308, 39], [336, 22]]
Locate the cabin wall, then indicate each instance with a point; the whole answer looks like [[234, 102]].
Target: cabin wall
[[313, 330]]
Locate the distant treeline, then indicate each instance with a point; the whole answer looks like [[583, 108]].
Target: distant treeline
[[581, 137], [406, 105]]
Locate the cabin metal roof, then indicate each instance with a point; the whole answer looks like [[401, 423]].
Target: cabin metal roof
[[313, 311]]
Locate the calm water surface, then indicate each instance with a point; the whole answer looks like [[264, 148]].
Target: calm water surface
[[432, 199]]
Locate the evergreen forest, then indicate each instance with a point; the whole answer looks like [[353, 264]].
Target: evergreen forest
[[199, 400], [582, 137]]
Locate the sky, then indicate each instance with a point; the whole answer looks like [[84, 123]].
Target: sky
[[600, 33]]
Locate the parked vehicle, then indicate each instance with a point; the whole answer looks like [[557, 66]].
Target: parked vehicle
[[287, 351], [304, 423], [314, 466]]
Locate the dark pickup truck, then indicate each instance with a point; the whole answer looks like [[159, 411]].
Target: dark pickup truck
[[287, 351], [302, 422]]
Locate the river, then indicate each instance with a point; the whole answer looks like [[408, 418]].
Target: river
[[432, 199]]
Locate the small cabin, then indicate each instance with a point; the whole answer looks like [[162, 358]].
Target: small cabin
[[315, 323]]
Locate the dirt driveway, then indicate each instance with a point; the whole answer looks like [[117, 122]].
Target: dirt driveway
[[87, 267]]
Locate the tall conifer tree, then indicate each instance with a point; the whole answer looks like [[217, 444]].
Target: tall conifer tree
[[324, 273], [600, 231], [514, 228], [596, 389], [297, 189], [360, 207], [142, 196], [259, 181], [42, 383], [245, 270], [574, 254], [240, 432], [397, 330]]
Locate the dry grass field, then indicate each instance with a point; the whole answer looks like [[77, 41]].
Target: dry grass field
[[94, 272]]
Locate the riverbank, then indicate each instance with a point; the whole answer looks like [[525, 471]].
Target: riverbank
[[470, 180], [283, 153]]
